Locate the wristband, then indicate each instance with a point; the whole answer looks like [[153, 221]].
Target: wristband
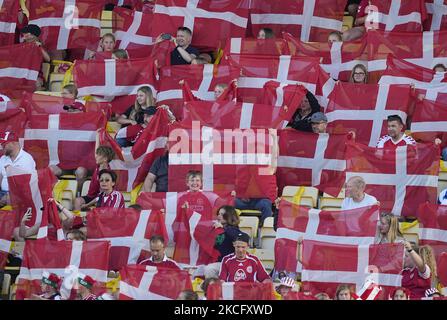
[[409, 251]]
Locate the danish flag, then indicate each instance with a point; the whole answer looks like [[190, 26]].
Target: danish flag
[[240, 291], [8, 221], [271, 47], [436, 15], [50, 227], [8, 21], [433, 227]]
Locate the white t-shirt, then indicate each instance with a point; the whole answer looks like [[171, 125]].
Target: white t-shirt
[[23, 160], [368, 200]]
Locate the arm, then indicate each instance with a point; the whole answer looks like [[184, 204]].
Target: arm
[[122, 119], [185, 55], [24, 231], [148, 182], [415, 257]]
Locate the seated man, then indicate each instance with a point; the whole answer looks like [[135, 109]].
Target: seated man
[[158, 174], [396, 136], [13, 156], [242, 266], [262, 204], [183, 53], [158, 256], [356, 196]]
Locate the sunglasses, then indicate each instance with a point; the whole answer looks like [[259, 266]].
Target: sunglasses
[[105, 180]]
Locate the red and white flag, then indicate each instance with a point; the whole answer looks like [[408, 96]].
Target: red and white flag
[[50, 227], [400, 179], [240, 291], [350, 227], [128, 231], [234, 115], [30, 190], [12, 119], [132, 29], [111, 77], [433, 85], [436, 15], [8, 21], [201, 79], [257, 70], [309, 20], [206, 203], [66, 140], [433, 227], [133, 163], [271, 47], [442, 270], [396, 15], [151, 283], [280, 94], [63, 258], [370, 291], [20, 67], [327, 265], [227, 19], [364, 109], [320, 162], [67, 24], [337, 58], [241, 159], [8, 220]]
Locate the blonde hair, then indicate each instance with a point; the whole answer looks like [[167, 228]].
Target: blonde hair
[[428, 257], [149, 101], [360, 66], [394, 231], [72, 89], [341, 288]]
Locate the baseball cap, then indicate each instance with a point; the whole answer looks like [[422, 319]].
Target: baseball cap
[[7, 136], [87, 281], [318, 117], [242, 237], [51, 279], [31, 28]]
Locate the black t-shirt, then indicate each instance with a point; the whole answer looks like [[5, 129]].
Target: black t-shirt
[[139, 116], [160, 169], [224, 241], [176, 57]]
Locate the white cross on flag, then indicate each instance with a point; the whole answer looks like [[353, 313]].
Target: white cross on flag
[[436, 15], [62, 258], [396, 15], [128, 231], [280, 94], [364, 109], [320, 162], [19, 69], [400, 179], [429, 121], [309, 20], [233, 115], [67, 24], [65, 140], [201, 79], [226, 19], [257, 70], [350, 227], [8, 21], [151, 283], [132, 29], [337, 58], [240, 291], [7, 225], [113, 77], [433, 227], [327, 265], [271, 47]]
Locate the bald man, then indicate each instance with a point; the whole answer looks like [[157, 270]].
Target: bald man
[[356, 196]]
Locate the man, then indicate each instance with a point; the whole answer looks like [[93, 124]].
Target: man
[[301, 118], [356, 196], [319, 122], [31, 33], [183, 53], [158, 256], [242, 266], [15, 156], [158, 174], [84, 288], [395, 137]]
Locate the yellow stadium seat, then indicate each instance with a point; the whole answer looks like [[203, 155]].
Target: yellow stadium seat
[[113, 126], [46, 67], [6, 285], [304, 196], [49, 93], [65, 191], [267, 258], [85, 187], [267, 229], [410, 231], [55, 82], [268, 242], [249, 225], [328, 202], [348, 22], [249, 212]]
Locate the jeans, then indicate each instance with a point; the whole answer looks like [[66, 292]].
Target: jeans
[[263, 205], [444, 154]]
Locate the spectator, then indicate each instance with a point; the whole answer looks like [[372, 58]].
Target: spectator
[[108, 197], [120, 54], [49, 287], [31, 33], [358, 30], [184, 53], [158, 256], [262, 204], [352, 7], [205, 284], [433, 293], [419, 273], [219, 89], [395, 137], [322, 296], [127, 137], [388, 230], [106, 44], [133, 114], [158, 174], [359, 74], [343, 292], [266, 33], [103, 156], [228, 220], [301, 118], [84, 288], [356, 196], [70, 91], [75, 235], [14, 156], [400, 294], [242, 266], [442, 199], [188, 295], [335, 36], [318, 122], [439, 68], [286, 285]]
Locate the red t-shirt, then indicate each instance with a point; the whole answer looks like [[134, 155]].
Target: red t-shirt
[[166, 263], [249, 269], [386, 142], [198, 202], [113, 200], [416, 282]]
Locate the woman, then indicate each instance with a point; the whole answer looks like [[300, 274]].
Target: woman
[[400, 294], [335, 36], [419, 273], [266, 33], [388, 230], [228, 220], [134, 114], [108, 197], [106, 44], [343, 293], [301, 119], [359, 74]]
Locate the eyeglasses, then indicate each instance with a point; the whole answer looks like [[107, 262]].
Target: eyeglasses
[[105, 180]]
